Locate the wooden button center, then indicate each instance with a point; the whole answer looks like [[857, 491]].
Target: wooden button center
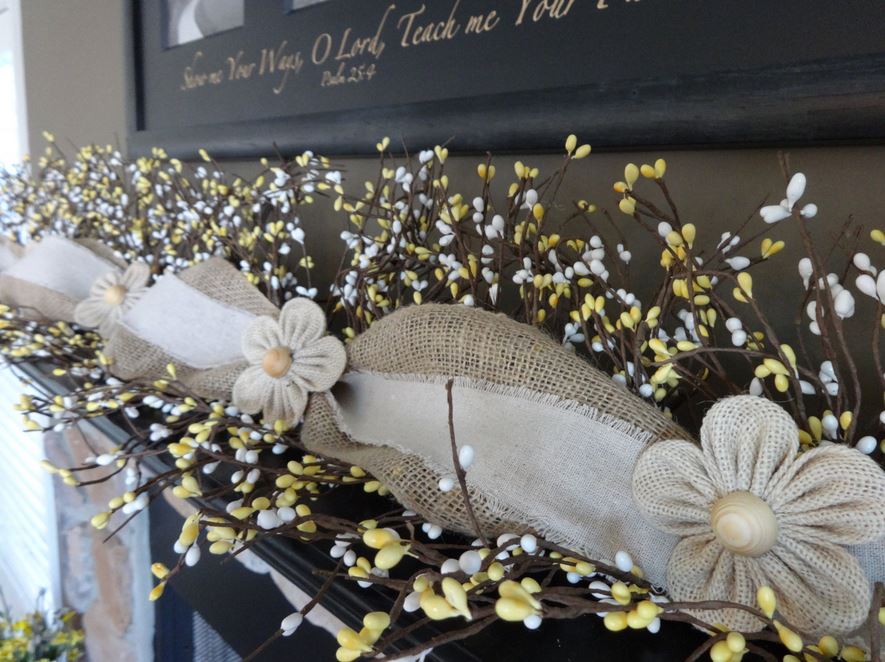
[[115, 295], [744, 524], [277, 361]]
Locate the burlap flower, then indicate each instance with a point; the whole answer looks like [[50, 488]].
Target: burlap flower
[[111, 296], [290, 359], [752, 512]]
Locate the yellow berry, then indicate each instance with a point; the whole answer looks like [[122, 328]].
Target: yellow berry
[[510, 589], [720, 652], [688, 233], [347, 638], [159, 570], [437, 607], [355, 571], [635, 621], [621, 593], [347, 654], [660, 168], [456, 596], [790, 639], [615, 621], [631, 174], [736, 642], [766, 600], [157, 592], [377, 620], [582, 152], [853, 654], [100, 520], [379, 538], [648, 610], [390, 555], [828, 645]]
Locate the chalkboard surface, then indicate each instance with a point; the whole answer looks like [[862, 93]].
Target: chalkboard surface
[[335, 75]]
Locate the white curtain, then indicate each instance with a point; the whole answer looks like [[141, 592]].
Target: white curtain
[[28, 533]]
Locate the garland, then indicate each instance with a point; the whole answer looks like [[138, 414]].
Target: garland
[[700, 334]]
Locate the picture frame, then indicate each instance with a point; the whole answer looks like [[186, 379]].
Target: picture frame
[[337, 75]]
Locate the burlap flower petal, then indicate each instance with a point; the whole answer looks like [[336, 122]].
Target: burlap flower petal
[[112, 318], [261, 335], [825, 497], [672, 489], [136, 276], [287, 402], [280, 388], [700, 569], [96, 313], [90, 313], [746, 441], [832, 493], [820, 587], [277, 399], [252, 389], [318, 365], [301, 322], [102, 284]]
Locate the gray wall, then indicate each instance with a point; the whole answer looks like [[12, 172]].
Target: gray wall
[[75, 79], [77, 88]]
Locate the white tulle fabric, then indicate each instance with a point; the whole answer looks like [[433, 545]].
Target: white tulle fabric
[[825, 498], [318, 361], [95, 312]]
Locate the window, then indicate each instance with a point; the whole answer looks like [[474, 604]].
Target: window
[[13, 124]]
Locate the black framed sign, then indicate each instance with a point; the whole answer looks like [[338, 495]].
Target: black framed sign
[[237, 76]]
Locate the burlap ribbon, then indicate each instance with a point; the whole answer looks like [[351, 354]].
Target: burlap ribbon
[[555, 439], [195, 321], [54, 275]]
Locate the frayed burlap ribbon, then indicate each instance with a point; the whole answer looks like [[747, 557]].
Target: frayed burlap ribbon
[[53, 276], [555, 439], [195, 321]]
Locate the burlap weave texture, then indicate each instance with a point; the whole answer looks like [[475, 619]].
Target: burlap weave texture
[[134, 357], [495, 354], [35, 289], [822, 499]]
